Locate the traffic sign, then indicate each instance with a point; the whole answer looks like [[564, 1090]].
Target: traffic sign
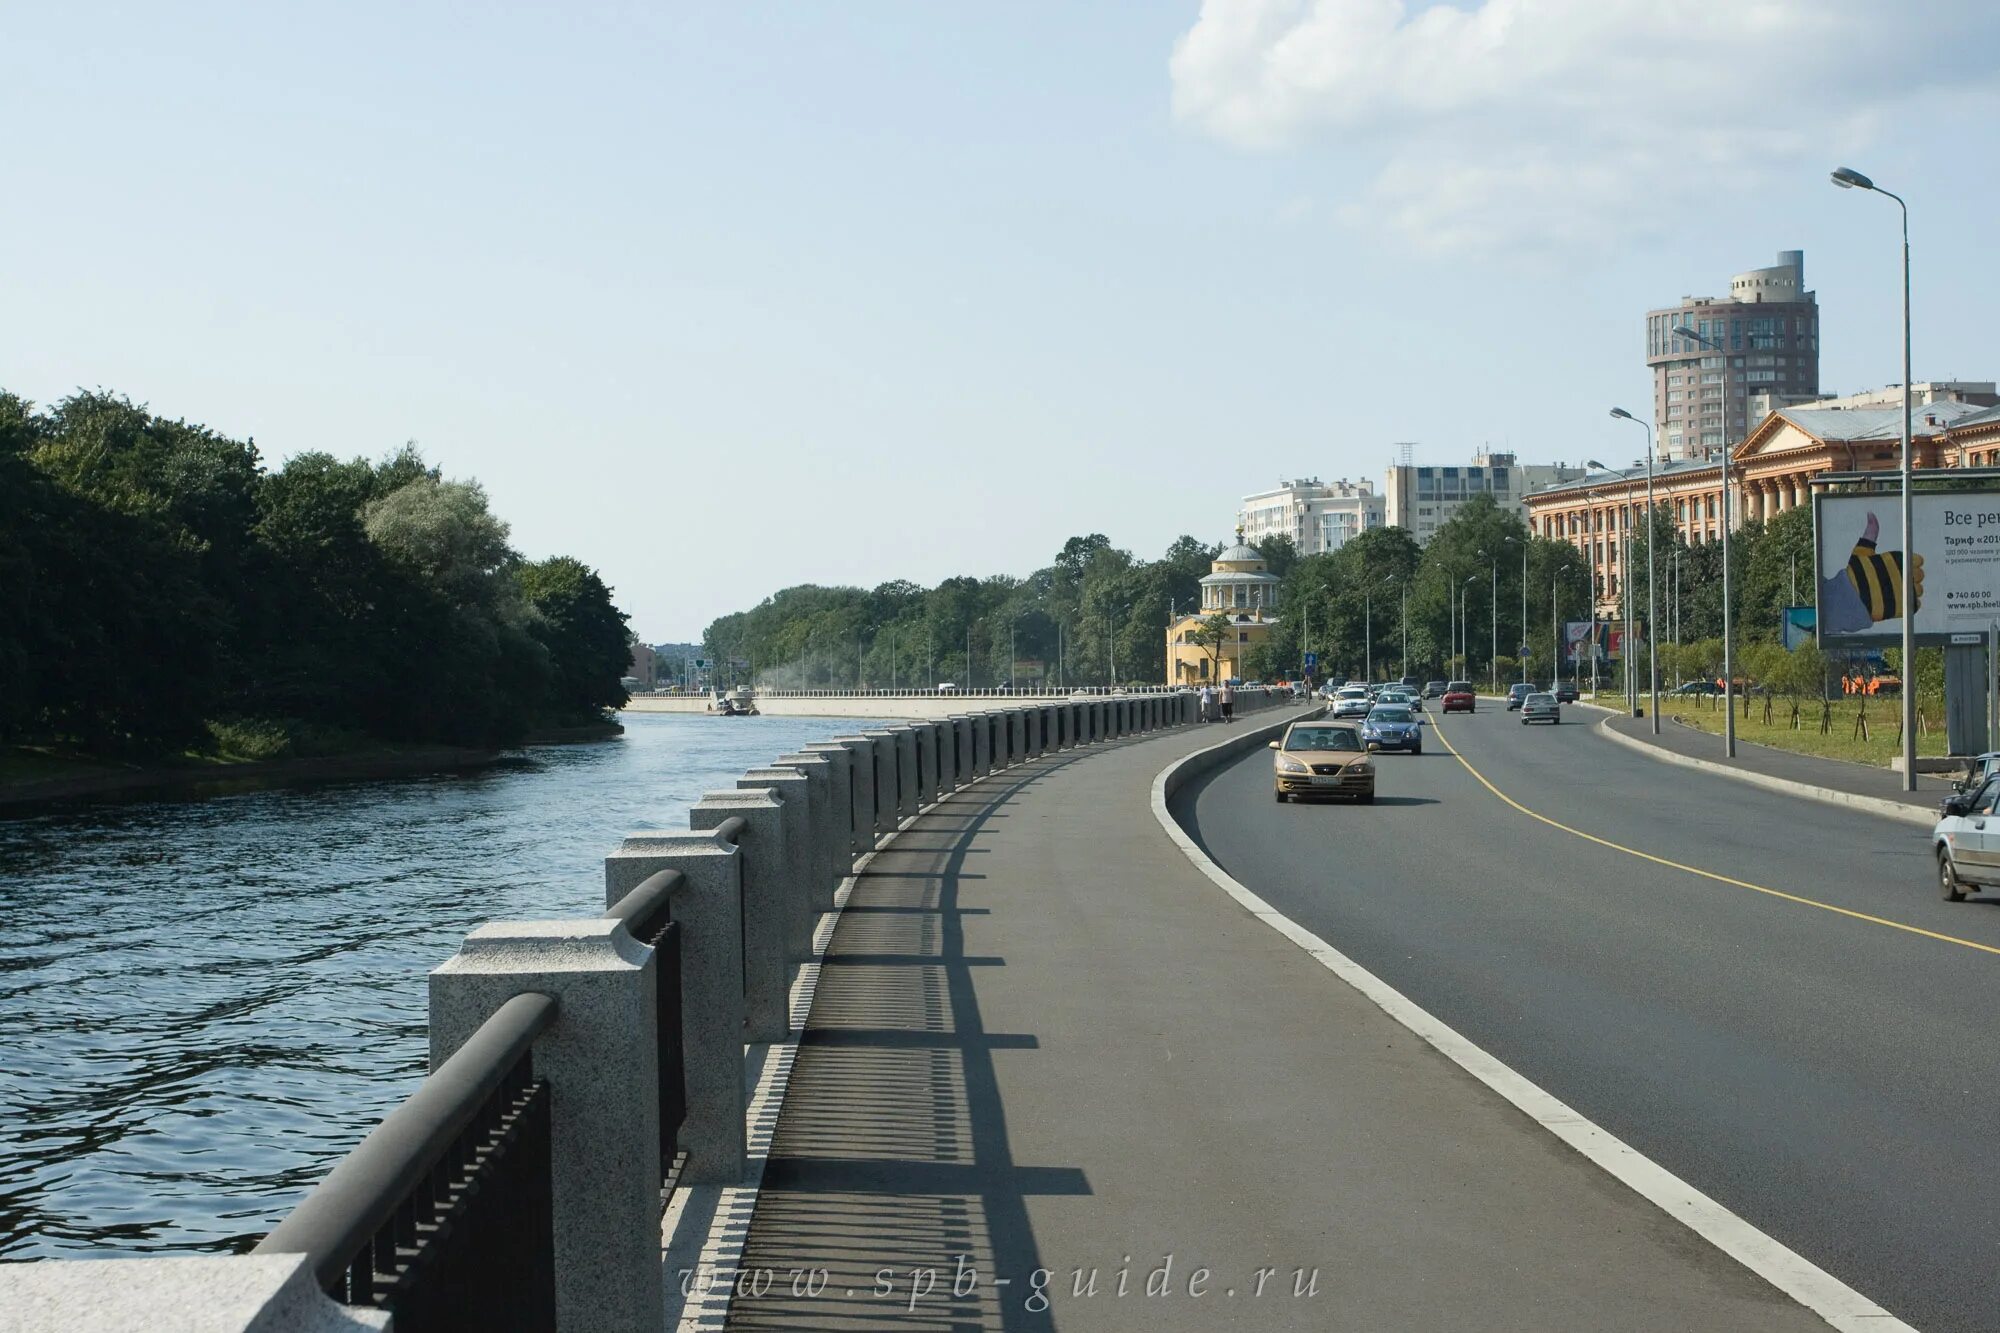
[[1312, 660]]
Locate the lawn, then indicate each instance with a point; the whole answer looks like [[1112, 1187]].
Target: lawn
[[1841, 741]]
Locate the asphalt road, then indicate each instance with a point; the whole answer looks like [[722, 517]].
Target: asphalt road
[[1830, 1078]]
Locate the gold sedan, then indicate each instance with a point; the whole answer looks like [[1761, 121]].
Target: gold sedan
[[1323, 759]]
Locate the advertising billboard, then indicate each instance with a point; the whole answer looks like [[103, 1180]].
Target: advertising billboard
[[1588, 640], [1800, 625], [1954, 566]]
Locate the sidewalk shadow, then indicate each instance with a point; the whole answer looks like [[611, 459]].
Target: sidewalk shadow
[[892, 1199]]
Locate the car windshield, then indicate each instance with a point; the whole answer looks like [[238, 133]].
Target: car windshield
[[1540, 699], [1389, 715], [1322, 738], [1459, 687]]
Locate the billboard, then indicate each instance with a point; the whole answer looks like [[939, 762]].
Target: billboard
[[1859, 554], [1587, 640], [1800, 625]]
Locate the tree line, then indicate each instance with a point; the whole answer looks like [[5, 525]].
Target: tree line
[[162, 591], [1382, 604]]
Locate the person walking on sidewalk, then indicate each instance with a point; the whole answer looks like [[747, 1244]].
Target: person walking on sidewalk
[[1228, 701], [1208, 703]]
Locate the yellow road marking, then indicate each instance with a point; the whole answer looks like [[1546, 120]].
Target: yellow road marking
[[1438, 728]]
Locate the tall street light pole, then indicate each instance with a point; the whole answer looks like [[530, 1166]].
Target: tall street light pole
[[1652, 632], [1465, 621], [1728, 638], [1849, 179]]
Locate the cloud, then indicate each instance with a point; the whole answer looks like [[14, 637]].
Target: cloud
[[1492, 123]]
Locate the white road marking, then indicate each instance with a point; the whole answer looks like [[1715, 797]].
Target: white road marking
[[1805, 1282]]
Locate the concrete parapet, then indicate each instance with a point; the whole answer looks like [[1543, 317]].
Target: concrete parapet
[[601, 1059], [1017, 735], [860, 791], [930, 780], [709, 911], [766, 969], [794, 792], [886, 815], [245, 1293], [982, 743], [908, 800], [840, 793], [960, 768], [827, 839]]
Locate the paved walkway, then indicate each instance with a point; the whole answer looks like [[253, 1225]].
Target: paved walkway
[[1043, 1041], [1834, 774]]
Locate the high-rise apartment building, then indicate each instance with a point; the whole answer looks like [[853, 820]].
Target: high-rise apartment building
[[1764, 337], [1422, 498], [1318, 516]]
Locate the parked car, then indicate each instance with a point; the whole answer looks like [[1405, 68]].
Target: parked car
[[947, 687], [1393, 727], [1517, 692], [1699, 687], [1434, 689], [1541, 706], [1458, 697], [1966, 841], [1565, 692], [1322, 759]]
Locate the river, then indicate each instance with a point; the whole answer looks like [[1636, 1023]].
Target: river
[[205, 1002]]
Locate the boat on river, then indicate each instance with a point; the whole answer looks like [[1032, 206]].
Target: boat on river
[[737, 703]]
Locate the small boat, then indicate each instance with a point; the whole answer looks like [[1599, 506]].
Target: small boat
[[737, 703]]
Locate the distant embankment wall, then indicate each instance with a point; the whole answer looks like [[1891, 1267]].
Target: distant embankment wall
[[852, 704]]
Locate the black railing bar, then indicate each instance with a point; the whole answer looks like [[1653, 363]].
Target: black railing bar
[[346, 1210], [731, 829], [644, 910]]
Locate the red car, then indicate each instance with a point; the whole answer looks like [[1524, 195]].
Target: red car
[[1458, 697]]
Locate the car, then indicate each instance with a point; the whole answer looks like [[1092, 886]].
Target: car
[[1566, 692], [1393, 727], [1703, 687], [947, 687], [1352, 702], [1396, 694], [1412, 684], [1966, 841], [1322, 759], [1434, 689], [1458, 697], [1516, 692], [1541, 706]]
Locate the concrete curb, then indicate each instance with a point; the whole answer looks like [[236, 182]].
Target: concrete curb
[[1825, 1295], [1874, 805]]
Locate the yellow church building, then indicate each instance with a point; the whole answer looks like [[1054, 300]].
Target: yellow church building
[[1241, 587]]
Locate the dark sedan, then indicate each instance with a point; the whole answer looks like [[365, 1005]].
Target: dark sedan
[[1393, 727]]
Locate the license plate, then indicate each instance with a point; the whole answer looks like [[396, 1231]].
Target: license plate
[[1326, 779]]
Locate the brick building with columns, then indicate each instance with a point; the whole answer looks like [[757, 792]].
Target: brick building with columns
[[1769, 472]]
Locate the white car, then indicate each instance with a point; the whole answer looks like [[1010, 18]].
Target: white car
[[1540, 707], [1352, 701], [1966, 841]]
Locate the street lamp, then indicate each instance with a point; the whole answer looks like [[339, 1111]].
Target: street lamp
[[1652, 631], [1728, 652], [1849, 179], [1465, 623], [1368, 627]]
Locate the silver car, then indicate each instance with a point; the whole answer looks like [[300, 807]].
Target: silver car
[[1966, 841], [1541, 707]]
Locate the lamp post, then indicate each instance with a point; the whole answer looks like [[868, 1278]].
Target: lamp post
[[1465, 621], [1652, 632], [1368, 627], [1728, 639], [1849, 179]]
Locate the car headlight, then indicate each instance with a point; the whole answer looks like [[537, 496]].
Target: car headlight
[[1287, 764], [1363, 767]]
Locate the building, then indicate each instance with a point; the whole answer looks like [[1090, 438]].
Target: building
[[1241, 586], [1765, 337], [1317, 516], [1770, 472], [1422, 499], [1980, 393]]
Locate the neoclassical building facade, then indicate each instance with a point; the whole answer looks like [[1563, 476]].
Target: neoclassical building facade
[[1770, 472], [1241, 586]]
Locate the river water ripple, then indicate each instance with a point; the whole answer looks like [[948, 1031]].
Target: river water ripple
[[204, 1003]]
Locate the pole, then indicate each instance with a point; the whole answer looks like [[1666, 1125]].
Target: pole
[[1406, 627], [1728, 633], [1906, 599], [1368, 635], [1493, 638], [1555, 668], [968, 657], [1652, 637]]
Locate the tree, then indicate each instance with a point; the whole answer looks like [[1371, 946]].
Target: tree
[[444, 531], [1210, 636], [584, 634], [1280, 553]]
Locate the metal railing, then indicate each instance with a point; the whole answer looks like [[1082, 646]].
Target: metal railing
[[647, 912], [443, 1214]]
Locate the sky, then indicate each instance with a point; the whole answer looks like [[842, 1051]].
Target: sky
[[724, 297]]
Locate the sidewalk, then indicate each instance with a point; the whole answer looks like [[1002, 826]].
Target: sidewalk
[[1043, 1041], [1832, 777]]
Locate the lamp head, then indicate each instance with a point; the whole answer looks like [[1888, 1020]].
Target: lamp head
[[1622, 414], [1847, 178], [1592, 462]]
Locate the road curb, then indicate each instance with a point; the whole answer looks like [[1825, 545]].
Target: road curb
[[1791, 1273], [1874, 805]]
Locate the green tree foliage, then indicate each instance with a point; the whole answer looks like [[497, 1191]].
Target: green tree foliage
[[155, 580]]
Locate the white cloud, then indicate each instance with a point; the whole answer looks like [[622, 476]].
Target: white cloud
[[1567, 122]]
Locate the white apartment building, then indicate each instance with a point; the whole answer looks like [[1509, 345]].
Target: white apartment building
[[1422, 498], [1318, 516]]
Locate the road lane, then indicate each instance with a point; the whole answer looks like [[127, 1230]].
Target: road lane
[[1831, 1080]]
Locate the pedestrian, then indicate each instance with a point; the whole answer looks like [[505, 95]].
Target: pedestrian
[[1207, 703], [1228, 701]]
